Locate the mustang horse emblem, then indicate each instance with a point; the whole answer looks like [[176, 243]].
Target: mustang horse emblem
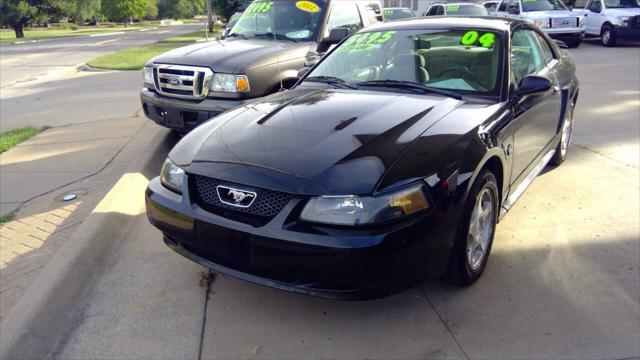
[[239, 196]]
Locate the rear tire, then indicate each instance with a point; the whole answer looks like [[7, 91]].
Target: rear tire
[[608, 36], [475, 231]]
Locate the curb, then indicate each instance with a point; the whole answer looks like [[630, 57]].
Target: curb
[[44, 316]]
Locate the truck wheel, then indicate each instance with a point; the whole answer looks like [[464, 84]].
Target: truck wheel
[[608, 36], [475, 231], [575, 42]]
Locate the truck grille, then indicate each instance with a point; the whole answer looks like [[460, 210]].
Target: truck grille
[[266, 206], [566, 22], [634, 22], [186, 82]]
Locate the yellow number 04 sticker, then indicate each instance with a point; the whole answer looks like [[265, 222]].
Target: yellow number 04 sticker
[[308, 6]]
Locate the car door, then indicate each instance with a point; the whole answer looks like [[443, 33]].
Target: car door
[[593, 17], [502, 8], [536, 117]]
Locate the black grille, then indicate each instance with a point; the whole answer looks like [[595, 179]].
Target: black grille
[[634, 22], [267, 204]]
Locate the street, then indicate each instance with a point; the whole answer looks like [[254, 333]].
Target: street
[[563, 280], [39, 81]]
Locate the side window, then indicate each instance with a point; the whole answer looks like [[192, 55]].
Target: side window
[[526, 55], [432, 11], [514, 7], [440, 10], [344, 15], [547, 54], [596, 6], [503, 6]]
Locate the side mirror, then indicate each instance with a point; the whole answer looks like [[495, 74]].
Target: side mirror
[[513, 11], [533, 85], [335, 36], [561, 44]]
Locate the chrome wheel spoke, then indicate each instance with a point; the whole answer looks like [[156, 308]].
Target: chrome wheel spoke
[[480, 228]]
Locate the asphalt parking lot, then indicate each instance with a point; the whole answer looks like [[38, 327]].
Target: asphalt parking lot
[[563, 280]]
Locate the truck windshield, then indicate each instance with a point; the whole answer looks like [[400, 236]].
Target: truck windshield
[[619, 4], [461, 61], [466, 9], [397, 14], [281, 19], [542, 5]]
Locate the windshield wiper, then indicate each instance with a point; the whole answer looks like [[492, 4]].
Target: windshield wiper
[[276, 36], [331, 80], [408, 85], [237, 35]]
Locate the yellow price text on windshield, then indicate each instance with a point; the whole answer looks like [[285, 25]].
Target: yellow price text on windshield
[[308, 6], [473, 38]]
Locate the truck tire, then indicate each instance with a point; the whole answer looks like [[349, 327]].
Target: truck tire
[[608, 36], [575, 42]]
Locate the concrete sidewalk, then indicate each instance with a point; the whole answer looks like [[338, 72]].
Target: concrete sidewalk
[[85, 160]]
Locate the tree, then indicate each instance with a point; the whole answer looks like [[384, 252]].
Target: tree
[[177, 9], [124, 9], [19, 13], [152, 10], [226, 8], [86, 9]]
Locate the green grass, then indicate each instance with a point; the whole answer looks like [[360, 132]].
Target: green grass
[[9, 36], [6, 218], [9, 139], [184, 38], [135, 58], [130, 59]]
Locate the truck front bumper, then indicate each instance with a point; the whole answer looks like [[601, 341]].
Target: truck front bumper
[[183, 115], [623, 32], [569, 33]]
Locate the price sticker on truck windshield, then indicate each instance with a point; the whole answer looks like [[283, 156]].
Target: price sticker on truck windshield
[[259, 7], [453, 8], [366, 41], [474, 38], [308, 6]]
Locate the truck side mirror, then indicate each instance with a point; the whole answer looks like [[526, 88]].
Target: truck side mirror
[[335, 37]]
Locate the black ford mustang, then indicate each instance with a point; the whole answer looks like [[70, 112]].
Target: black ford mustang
[[390, 162]]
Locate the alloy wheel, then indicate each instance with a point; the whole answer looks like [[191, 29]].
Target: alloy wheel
[[480, 228], [565, 140]]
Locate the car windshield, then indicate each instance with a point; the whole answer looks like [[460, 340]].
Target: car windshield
[[282, 19], [397, 14], [619, 4], [466, 9], [233, 20], [542, 5], [463, 61]]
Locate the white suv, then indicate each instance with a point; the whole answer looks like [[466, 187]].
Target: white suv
[[612, 20], [552, 16]]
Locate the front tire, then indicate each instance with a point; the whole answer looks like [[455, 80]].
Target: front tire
[[476, 231], [608, 36], [565, 138], [575, 42]]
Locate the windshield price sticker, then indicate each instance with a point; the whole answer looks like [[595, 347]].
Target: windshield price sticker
[[259, 7], [308, 6], [366, 41], [472, 38], [453, 8]]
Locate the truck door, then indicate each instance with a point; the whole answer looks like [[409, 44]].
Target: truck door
[[593, 17]]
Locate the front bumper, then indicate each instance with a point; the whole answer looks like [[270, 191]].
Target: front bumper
[[627, 33], [569, 33], [183, 115], [285, 254]]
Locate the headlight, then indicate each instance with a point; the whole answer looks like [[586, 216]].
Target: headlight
[[357, 210], [624, 21], [147, 74], [230, 83], [172, 176], [542, 23]]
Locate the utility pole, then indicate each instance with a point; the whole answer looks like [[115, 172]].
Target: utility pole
[[209, 17]]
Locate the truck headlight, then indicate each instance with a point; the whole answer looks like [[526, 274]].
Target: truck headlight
[[542, 23], [623, 21], [171, 176], [147, 74], [360, 210], [230, 83]]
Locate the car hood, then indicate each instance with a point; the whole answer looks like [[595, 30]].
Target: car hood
[[550, 14], [311, 141], [623, 12], [235, 55]]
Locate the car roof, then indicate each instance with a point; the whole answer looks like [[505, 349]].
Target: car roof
[[444, 22], [396, 8]]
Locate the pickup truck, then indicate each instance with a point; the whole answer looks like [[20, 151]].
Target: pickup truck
[[552, 16], [612, 20], [263, 52]]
